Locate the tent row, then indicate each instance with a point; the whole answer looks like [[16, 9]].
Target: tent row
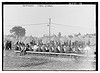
[[28, 39]]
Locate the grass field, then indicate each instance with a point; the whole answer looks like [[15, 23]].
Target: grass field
[[12, 61]]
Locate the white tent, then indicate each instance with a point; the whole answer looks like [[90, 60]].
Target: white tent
[[88, 50], [23, 38], [63, 39], [28, 39], [45, 40], [56, 39], [75, 39]]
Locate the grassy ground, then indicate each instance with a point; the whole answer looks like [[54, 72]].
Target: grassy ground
[[12, 61]]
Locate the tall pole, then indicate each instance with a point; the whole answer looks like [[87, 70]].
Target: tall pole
[[49, 27]]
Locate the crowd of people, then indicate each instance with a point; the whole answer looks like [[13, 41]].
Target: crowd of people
[[57, 47]]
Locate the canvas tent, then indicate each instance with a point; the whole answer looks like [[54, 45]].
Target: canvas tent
[[28, 39], [23, 38], [75, 39], [62, 39], [45, 40], [55, 39], [88, 50]]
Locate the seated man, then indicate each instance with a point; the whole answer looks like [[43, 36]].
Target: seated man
[[66, 49], [35, 48], [61, 49], [23, 50], [43, 48], [27, 47], [8, 45], [39, 48], [56, 50], [50, 49]]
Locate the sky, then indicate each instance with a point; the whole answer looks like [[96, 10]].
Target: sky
[[67, 19]]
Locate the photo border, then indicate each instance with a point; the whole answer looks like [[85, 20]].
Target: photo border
[[53, 3]]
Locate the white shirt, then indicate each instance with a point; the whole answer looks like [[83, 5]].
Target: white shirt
[[35, 47], [64, 48], [59, 48], [32, 47], [52, 48], [46, 48], [79, 48]]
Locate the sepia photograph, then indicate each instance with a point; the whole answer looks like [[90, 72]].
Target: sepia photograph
[[49, 36]]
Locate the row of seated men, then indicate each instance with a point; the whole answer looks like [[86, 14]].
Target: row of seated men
[[47, 48]]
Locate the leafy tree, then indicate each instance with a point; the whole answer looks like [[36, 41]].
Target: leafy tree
[[18, 31]]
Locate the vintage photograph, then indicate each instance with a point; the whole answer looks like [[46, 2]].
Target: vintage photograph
[[49, 36]]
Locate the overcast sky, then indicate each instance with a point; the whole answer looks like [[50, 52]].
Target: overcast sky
[[79, 18]]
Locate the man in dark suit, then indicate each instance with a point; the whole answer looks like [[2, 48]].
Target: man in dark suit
[[8, 45]]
